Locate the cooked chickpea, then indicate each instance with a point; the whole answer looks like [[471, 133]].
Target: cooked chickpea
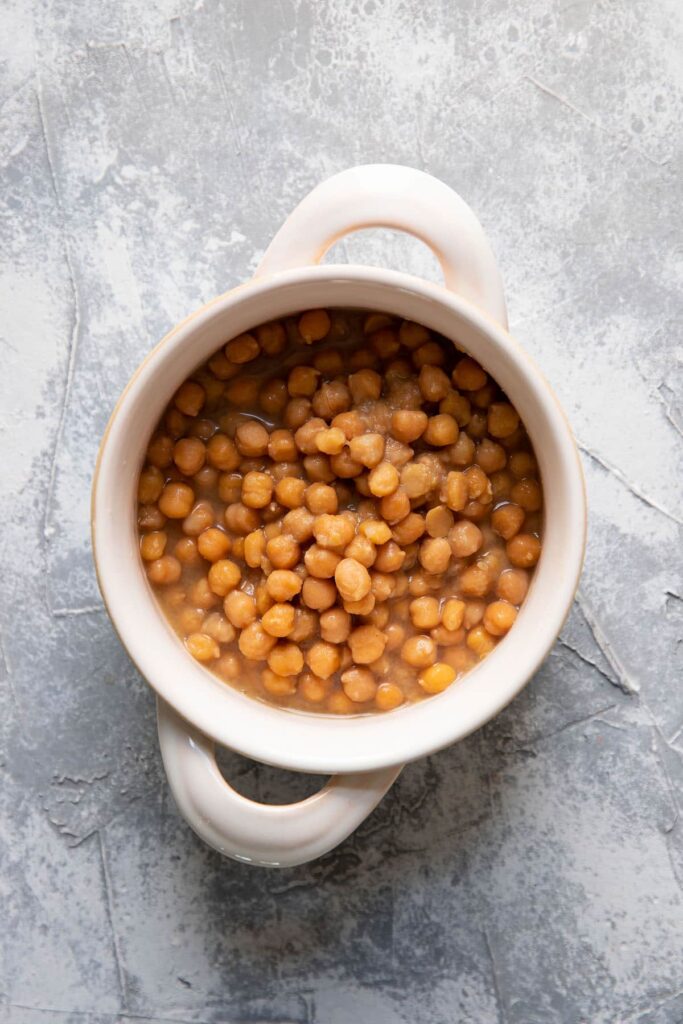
[[499, 617], [453, 613], [507, 520], [335, 625], [273, 397], [176, 500], [395, 507], [242, 349], [465, 539], [330, 399], [283, 551], [299, 524], [224, 576], [388, 696], [362, 550], [153, 545], [200, 518], [359, 684], [282, 446], [190, 398], [512, 585], [321, 562], [272, 338], [389, 558], [289, 491], [320, 498], [313, 689], [412, 335], [419, 651], [366, 385], [503, 420], [323, 659], [314, 325], [150, 485], [425, 613], [480, 641], [283, 585], [318, 594], [474, 581], [367, 449], [367, 644], [438, 521], [202, 647], [164, 570], [434, 384], [523, 550], [222, 454], [437, 677], [383, 480], [345, 466], [254, 643], [527, 494], [376, 531], [297, 411], [213, 544], [276, 685], [333, 531], [407, 425], [240, 609], [240, 519], [435, 554], [160, 455], [352, 580], [278, 621], [251, 439], [522, 464], [468, 375]]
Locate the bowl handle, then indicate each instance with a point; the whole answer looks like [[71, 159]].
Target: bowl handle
[[402, 198], [269, 835]]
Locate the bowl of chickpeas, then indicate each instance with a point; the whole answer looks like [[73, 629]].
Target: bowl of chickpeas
[[338, 517]]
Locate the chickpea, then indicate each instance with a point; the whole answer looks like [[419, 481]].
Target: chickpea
[[282, 446], [229, 487], [376, 531], [523, 550], [435, 554], [490, 457], [305, 625], [321, 562], [335, 625], [329, 362], [190, 620], [254, 643], [153, 545], [513, 585], [412, 335], [176, 500], [352, 579], [388, 696], [160, 452], [314, 325], [429, 354], [474, 581], [416, 480], [224, 576], [382, 585], [290, 491], [254, 548], [419, 651], [330, 399], [216, 626], [186, 551], [278, 686], [409, 529], [190, 398], [323, 659], [202, 647], [439, 521], [527, 494], [367, 644], [425, 613], [283, 552], [344, 466], [480, 641], [359, 684], [272, 338], [474, 612], [331, 441], [499, 617], [457, 406], [164, 570], [437, 677], [365, 386], [297, 411], [523, 464], [434, 384], [367, 449], [468, 375], [201, 595], [278, 621], [221, 453], [150, 485], [299, 524], [221, 367], [503, 419], [407, 425], [257, 489], [507, 520], [320, 498], [333, 531], [390, 557], [462, 453], [395, 507], [213, 544], [383, 480], [350, 422], [240, 609], [362, 550], [453, 613], [302, 381], [283, 585], [318, 594], [251, 439], [273, 397], [150, 518], [339, 704], [465, 539], [313, 689], [318, 468], [240, 519]]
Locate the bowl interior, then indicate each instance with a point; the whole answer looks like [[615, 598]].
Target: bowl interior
[[315, 742]]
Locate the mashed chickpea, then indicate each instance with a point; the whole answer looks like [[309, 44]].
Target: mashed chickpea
[[340, 512]]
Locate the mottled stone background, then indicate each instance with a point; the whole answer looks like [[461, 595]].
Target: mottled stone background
[[149, 149]]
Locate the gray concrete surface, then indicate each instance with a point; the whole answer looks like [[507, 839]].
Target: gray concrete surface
[[531, 875]]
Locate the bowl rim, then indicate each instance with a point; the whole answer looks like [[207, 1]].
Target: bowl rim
[[314, 742]]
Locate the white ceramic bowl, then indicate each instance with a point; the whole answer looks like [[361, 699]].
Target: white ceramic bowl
[[196, 709]]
